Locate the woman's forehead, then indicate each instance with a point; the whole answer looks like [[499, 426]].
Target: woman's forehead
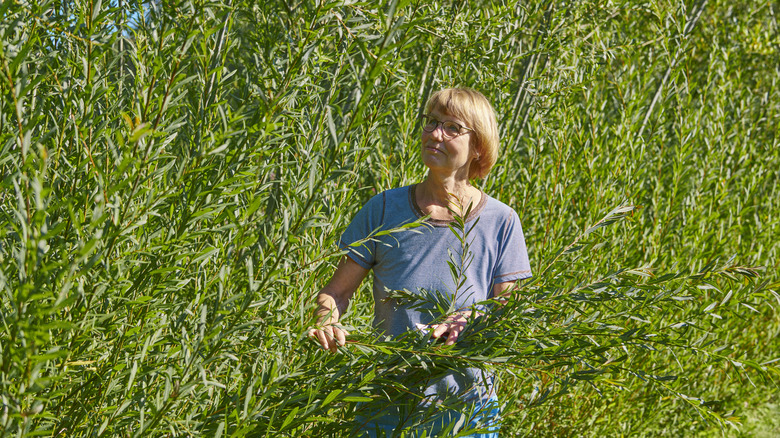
[[441, 110]]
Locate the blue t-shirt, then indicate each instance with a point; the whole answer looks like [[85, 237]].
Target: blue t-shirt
[[417, 259]]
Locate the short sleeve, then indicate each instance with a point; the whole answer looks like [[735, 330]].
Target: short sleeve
[[513, 263], [366, 222]]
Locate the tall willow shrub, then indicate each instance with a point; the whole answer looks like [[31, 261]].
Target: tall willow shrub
[[175, 176]]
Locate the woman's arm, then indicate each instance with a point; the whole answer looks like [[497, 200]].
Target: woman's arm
[[501, 291], [332, 302]]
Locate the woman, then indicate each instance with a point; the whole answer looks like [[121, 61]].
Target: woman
[[459, 143]]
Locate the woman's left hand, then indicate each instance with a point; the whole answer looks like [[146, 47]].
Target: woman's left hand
[[451, 328]]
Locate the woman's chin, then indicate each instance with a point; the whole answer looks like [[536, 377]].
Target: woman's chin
[[431, 163]]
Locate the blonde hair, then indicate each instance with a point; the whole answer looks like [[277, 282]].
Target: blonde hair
[[473, 108]]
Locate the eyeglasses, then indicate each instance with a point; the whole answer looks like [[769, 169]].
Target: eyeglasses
[[449, 129]]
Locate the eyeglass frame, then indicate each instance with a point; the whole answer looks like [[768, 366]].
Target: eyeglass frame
[[440, 123]]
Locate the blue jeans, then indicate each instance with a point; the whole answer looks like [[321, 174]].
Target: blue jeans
[[483, 415]]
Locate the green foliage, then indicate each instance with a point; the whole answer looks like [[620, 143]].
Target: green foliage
[[176, 174]]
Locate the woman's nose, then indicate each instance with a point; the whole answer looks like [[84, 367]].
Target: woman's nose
[[438, 132]]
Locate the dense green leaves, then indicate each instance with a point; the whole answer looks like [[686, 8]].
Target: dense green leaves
[[175, 177]]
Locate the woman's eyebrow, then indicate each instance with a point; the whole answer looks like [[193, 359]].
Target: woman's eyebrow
[[443, 116]]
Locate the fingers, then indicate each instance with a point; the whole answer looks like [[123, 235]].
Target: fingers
[[329, 337], [341, 336], [439, 330], [318, 336], [451, 329], [454, 332], [326, 339]]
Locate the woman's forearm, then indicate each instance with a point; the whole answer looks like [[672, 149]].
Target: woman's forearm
[[333, 299], [332, 303]]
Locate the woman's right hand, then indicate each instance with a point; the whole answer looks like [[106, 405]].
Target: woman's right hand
[[329, 336], [332, 302]]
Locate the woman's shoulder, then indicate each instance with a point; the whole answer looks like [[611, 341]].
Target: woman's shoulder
[[499, 214], [402, 191], [392, 197], [391, 200], [494, 206]]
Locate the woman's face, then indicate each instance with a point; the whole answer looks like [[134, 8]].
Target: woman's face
[[449, 156]]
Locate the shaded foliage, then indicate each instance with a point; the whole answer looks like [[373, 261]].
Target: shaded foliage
[[175, 176]]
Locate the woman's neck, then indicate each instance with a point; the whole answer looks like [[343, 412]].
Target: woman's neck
[[441, 197]]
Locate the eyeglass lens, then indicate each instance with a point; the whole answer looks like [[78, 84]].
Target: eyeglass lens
[[450, 129]]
